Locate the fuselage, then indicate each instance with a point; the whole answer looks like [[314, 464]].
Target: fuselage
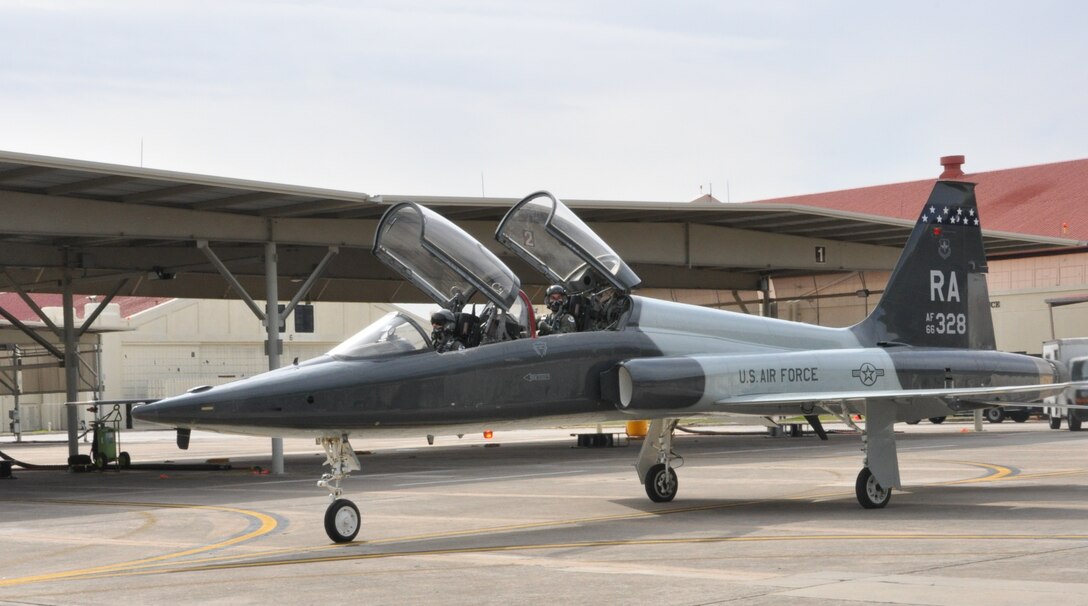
[[563, 379]]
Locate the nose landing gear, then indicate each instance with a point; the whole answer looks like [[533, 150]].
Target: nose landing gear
[[342, 519]]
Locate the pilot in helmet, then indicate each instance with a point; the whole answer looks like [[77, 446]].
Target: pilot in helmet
[[555, 297], [559, 320], [443, 327]]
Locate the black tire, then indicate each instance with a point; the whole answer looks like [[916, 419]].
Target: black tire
[[1055, 422], [915, 422], [79, 460], [937, 420], [100, 462], [995, 415], [1020, 416], [796, 431], [342, 521], [661, 487], [1074, 422], [871, 495], [124, 460]]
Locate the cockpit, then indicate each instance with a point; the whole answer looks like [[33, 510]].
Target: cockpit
[[459, 273]]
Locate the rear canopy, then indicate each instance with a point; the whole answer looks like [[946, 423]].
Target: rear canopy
[[549, 236]]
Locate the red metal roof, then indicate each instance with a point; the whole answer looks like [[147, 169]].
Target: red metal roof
[[130, 306], [1045, 200]]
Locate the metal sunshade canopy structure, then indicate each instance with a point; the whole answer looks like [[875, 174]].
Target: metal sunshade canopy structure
[[107, 229], [114, 221]]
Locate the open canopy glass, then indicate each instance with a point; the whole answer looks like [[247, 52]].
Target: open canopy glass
[[441, 259], [549, 236]]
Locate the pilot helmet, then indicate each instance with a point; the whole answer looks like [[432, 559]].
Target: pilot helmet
[[443, 320], [555, 297]]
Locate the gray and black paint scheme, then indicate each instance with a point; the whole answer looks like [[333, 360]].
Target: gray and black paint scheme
[[927, 349]]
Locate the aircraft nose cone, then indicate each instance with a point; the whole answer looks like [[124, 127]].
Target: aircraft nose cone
[[147, 412], [179, 410]]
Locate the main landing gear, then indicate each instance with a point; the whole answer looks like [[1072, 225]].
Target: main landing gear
[[654, 465], [342, 520], [878, 440], [878, 476]]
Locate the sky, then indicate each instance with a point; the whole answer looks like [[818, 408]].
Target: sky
[[611, 100]]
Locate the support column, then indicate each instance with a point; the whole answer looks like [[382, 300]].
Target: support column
[[765, 308], [271, 315], [71, 360], [272, 326]]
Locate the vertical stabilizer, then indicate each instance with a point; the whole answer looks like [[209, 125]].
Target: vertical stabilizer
[[937, 295]]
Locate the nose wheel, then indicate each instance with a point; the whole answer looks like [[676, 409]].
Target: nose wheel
[[342, 521]]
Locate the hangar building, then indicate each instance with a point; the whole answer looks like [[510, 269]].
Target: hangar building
[[1044, 200]]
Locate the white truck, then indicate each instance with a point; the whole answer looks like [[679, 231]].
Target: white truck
[[1073, 355]]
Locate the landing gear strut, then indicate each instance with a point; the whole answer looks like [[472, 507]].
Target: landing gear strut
[[654, 465], [342, 520]]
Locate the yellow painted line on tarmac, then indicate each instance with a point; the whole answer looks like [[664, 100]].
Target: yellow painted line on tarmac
[[159, 563], [266, 524], [1052, 474], [148, 566], [997, 473], [165, 563], [603, 543]]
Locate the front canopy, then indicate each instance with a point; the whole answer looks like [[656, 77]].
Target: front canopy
[[441, 259]]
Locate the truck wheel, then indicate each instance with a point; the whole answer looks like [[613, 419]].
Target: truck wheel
[[1055, 422], [1020, 416], [936, 420], [1074, 423], [995, 415]]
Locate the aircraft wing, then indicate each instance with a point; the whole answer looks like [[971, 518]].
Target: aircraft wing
[[963, 397], [772, 383]]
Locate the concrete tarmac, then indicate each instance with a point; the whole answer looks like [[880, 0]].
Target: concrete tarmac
[[997, 517]]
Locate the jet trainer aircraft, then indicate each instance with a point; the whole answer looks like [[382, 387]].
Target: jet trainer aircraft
[[926, 349]]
